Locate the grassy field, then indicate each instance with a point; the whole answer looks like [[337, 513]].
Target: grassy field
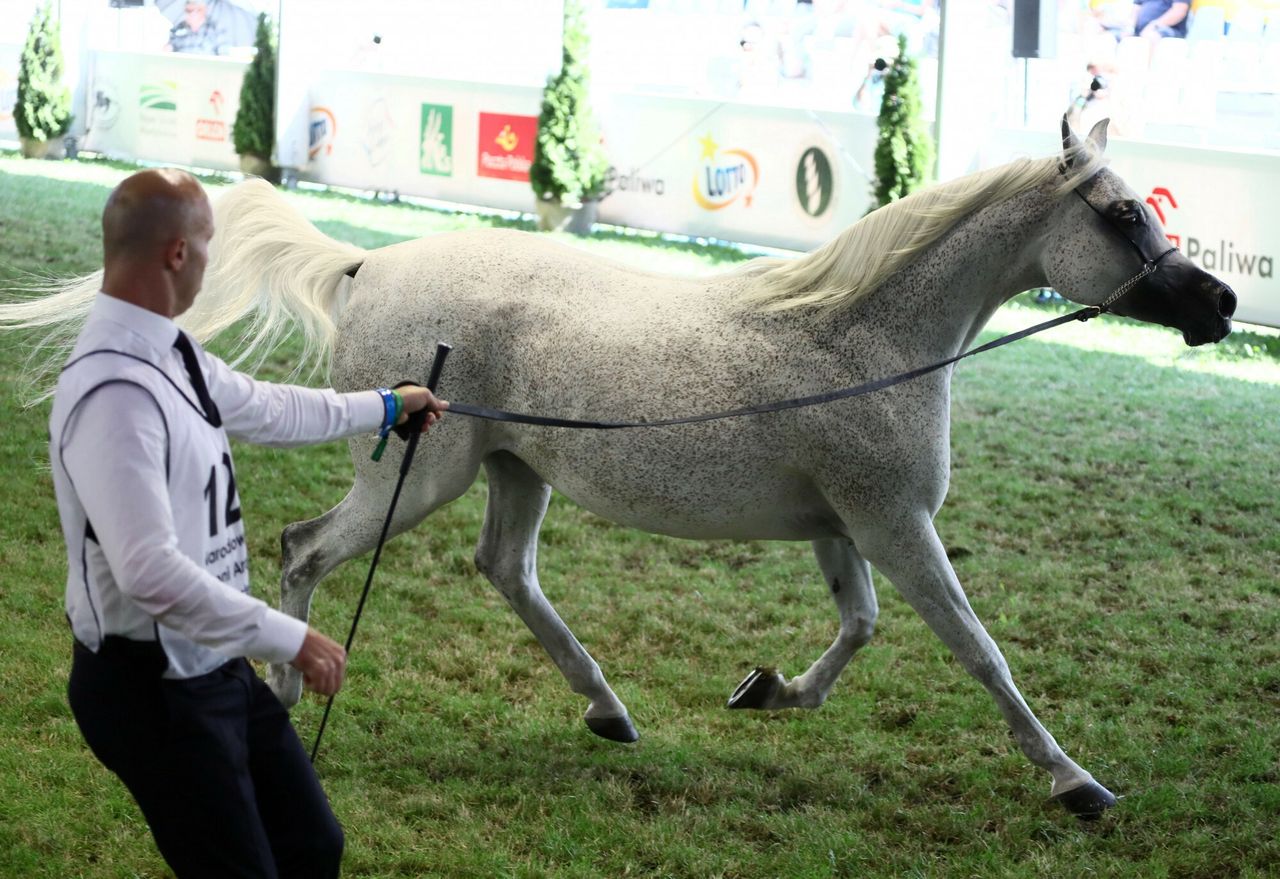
[[1113, 514]]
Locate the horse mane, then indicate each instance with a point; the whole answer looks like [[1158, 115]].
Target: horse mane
[[866, 254]]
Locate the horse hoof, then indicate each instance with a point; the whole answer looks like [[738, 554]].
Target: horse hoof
[[615, 729], [1088, 801], [758, 690]]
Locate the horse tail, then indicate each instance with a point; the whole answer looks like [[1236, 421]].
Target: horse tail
[[268, 263], [265, 260], [58, 306]]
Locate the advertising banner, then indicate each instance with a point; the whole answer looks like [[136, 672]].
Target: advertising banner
[[164, 108], [463, 142], [775, 176], [1218, 207]]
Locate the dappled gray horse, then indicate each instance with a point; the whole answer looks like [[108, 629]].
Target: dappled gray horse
[[542, 328]]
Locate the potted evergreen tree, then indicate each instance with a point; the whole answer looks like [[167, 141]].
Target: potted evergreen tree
[[254, 131], [43, 109], [904, 147], [569, 163]]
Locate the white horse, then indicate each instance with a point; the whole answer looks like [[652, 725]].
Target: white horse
[[538, 327]]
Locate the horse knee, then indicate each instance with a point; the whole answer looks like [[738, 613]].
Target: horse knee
[[859, 630], [299, 558]]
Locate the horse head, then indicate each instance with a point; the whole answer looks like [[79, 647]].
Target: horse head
[[1106, 237]]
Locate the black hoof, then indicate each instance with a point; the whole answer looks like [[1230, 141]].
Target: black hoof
[[615, 729], [1088, 801], [757, 690]]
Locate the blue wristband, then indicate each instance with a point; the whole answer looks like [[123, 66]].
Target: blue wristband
[[389, 411]]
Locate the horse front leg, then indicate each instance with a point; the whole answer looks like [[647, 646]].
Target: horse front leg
[[311, 549], [848, 577], [508, 555], [913, 558]]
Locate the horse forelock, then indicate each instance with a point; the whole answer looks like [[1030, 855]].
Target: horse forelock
[[863, 256]]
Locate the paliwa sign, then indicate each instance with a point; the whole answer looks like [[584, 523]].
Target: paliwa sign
[[1224, 255]]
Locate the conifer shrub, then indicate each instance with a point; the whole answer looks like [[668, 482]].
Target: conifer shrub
[[904, 147], [569, 162], [254, 131], [43, 109]]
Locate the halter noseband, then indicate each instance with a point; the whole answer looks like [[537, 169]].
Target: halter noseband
[[1149, 264]]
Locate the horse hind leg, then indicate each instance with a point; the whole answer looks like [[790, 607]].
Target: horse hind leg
[[507, 554], [312, 549], [848, 576]]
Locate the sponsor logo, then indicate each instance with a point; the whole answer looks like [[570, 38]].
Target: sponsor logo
[[435, 150], [1222, 255], [323, 129], [506, 146], [157, 109], [1163, 203], [104, 106], [634, 183], [212, 126], [724, 177], [158, 96], [815, 182], [379, 132]]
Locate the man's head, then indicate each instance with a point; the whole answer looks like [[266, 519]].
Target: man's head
[[195, 13], [156, 230]]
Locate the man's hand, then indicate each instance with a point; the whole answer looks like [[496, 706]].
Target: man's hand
[[417, 398], [323, 663]]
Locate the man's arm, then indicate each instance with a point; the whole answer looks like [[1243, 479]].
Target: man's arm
[[289, 415]]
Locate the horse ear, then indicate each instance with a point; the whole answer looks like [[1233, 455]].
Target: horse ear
[[1098, 136], [1070, 143]]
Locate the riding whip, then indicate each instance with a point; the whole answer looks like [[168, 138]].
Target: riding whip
[[414, 429]]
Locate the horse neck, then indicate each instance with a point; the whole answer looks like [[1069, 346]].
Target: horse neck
[[935, 306]]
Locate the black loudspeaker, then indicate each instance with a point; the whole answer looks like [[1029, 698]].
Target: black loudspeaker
[[1035, 28]]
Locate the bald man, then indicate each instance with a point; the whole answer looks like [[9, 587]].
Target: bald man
[[157, 582]]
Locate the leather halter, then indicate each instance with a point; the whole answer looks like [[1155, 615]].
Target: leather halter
[[1149, 263]]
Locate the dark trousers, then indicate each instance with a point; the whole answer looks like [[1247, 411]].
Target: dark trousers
[[212, 761]]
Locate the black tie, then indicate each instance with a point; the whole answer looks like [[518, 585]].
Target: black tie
[[211, 414]]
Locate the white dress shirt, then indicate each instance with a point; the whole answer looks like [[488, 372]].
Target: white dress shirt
[[147, 496]]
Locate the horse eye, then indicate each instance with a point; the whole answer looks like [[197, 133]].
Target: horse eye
[[1130, 213]]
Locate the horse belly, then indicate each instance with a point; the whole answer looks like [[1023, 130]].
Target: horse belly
[[723, 493]]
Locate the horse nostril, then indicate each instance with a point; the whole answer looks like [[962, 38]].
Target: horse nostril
[[1227, 302]]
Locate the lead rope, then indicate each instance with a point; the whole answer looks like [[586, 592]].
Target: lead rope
[[414, 426], [442, 350], [1083, 314]]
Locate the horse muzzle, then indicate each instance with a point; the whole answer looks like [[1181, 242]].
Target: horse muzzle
[[1185, 297], [1216, 326]]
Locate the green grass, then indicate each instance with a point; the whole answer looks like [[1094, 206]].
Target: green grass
[[1113, 514]]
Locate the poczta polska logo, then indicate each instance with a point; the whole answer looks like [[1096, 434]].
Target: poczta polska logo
[[724, 177]]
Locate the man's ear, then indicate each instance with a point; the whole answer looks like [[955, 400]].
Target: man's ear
[[175, 254]]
